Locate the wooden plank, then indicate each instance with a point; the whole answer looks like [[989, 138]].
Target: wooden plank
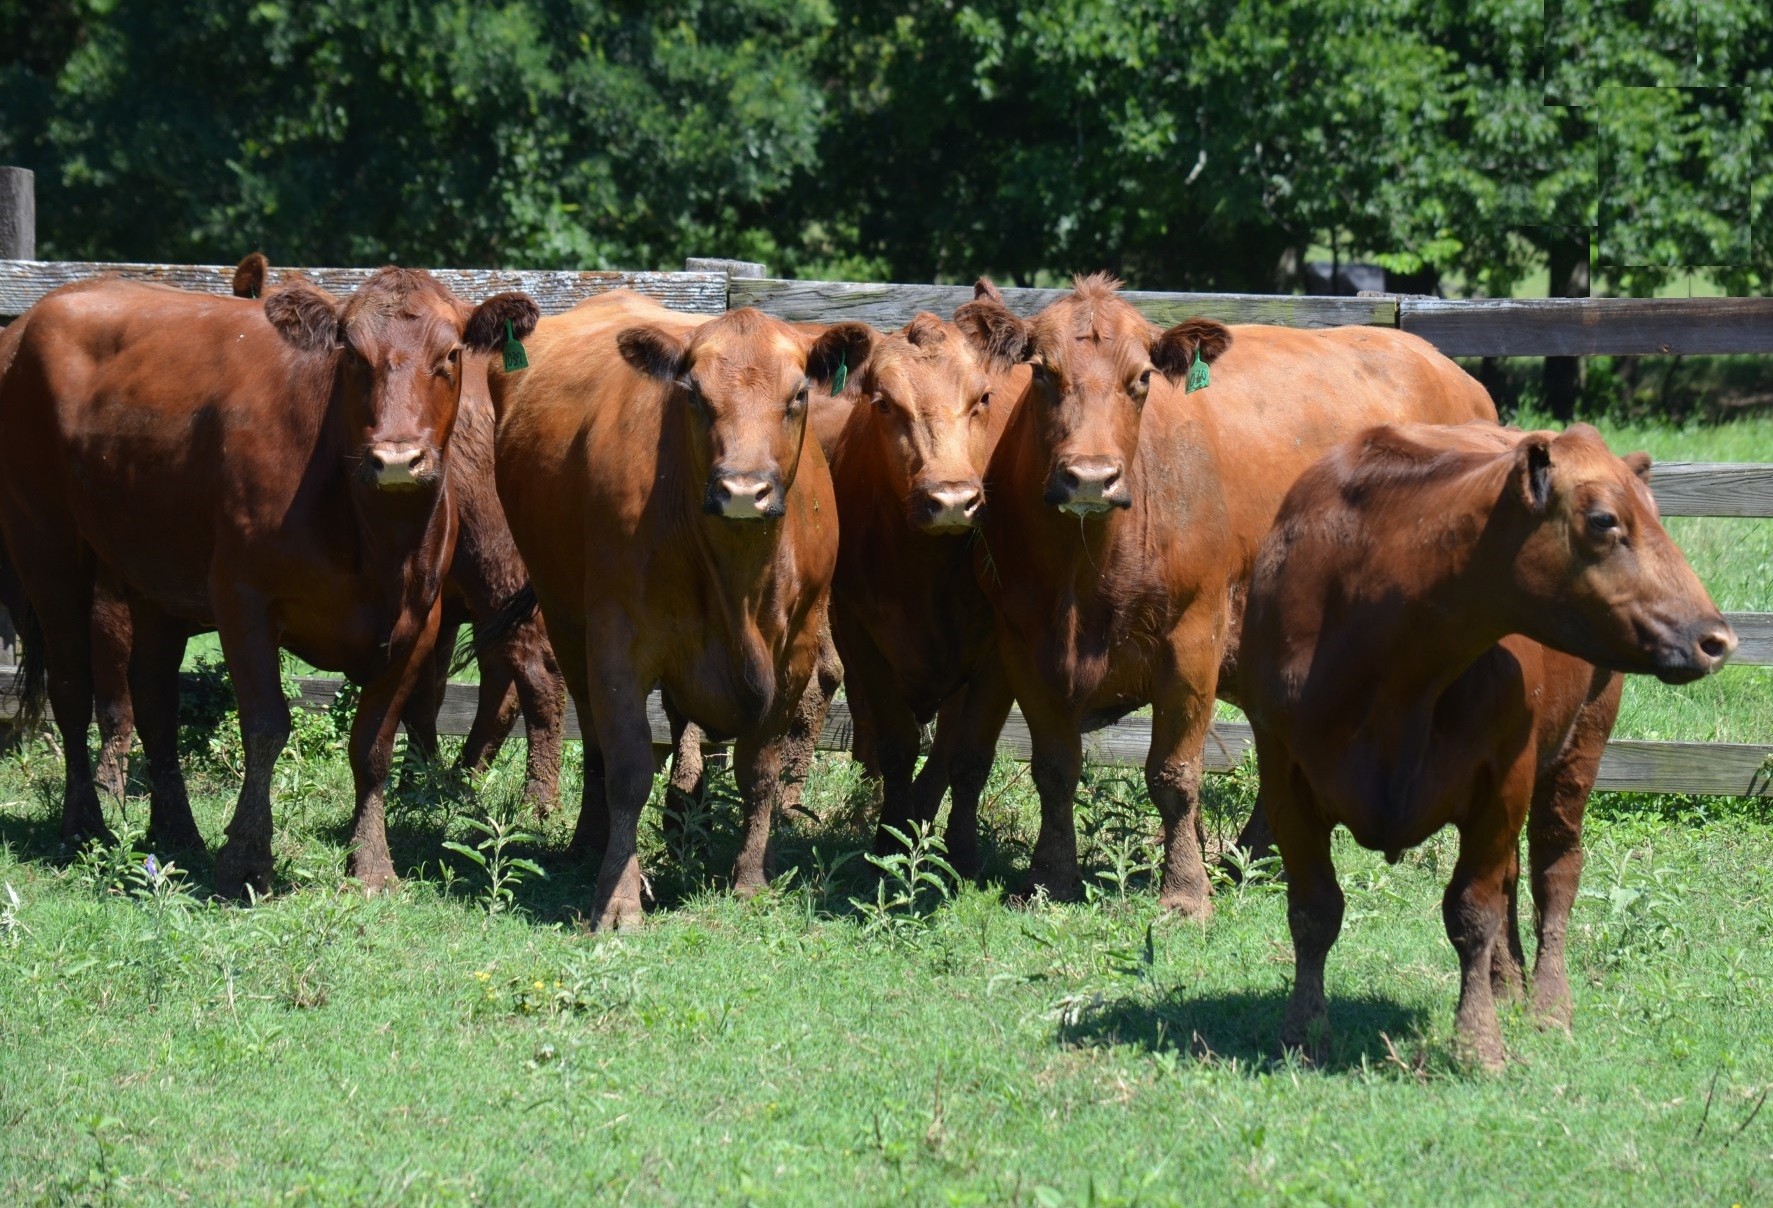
[[891, 306], [1544, 327], [1629, 765], [1754, 632], [22, 282], [1713, 488]]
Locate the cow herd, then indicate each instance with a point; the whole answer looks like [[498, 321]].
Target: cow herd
[[1424, 614]]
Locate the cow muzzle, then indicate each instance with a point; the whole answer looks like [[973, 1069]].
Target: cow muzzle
[[399, 465], [1089, 486], [745, 496], [1695, 650], [948, 507]]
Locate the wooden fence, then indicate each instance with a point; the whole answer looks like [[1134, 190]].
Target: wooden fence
[[1504, 327]]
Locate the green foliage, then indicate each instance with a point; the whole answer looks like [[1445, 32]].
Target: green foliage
[[1182, 143], [503, 872]]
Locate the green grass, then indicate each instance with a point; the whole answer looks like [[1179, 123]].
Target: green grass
[[323, 1047]]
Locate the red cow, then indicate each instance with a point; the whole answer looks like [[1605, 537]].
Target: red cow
[[1387, 696], [1124, 519], [680, 530], [273, 471]]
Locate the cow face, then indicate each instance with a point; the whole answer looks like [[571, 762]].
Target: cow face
[[741, 382], [929, 397], [1604, 580], [399, 340], [1095, 361]]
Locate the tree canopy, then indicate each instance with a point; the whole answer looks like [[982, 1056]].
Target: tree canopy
[[1182, 143]]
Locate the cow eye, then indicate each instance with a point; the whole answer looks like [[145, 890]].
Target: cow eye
[[798, 401], [455, 356], [1602, 522], [984, 400], [882, 404]]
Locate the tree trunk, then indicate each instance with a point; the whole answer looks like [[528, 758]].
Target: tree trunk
[[1569, 279]]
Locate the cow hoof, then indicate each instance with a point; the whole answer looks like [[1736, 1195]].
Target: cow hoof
[[1553, 1015], [1483, 1050], [375, 875], [1188, 904], [236, 871], [179, 835], [622, 914]]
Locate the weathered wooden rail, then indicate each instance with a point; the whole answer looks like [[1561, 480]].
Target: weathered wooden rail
[[1501, 327]]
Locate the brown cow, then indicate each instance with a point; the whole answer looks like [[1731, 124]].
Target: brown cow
[[680, 530], [914, 631], [1386, 697], [274, 471], [516, 671], [1125, 516]]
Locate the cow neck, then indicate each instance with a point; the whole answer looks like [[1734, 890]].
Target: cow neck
[[1448, 618]]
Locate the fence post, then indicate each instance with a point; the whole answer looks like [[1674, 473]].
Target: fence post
[[18, 214], [732, 268], [18, 241]]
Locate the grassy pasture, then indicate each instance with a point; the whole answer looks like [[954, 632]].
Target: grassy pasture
[[870, 1035]]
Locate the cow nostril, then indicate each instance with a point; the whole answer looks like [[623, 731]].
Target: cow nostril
[[1070, 479], [1714, 646], [972, 502], [762, 493], [1112, 478]]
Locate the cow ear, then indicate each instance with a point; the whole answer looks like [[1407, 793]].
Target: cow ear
[[846, 344], [656, 353], [1639, 463], [994, 331], [1172, 353], [305, 315], [984, 291], [924, 330], [250, 274], [486, 326], [1532, 471]]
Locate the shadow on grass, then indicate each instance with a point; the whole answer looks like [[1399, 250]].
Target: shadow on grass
[[1244, 1027]]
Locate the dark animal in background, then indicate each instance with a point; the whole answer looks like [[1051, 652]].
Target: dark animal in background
[[1124, 516], [680, 530], [1387, 698], [276, 471]]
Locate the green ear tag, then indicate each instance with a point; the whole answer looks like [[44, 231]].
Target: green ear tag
[[515, 358], [1199, 376], [843, 374]]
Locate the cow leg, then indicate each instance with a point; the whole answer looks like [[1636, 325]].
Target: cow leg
[[372, 746], [1554, 844], [249, 646], [1314, 899], [624, 736], [591, 831], [158, 648], [895, 733], [1508, 961], [802, 740], [541, 695], [64, 619], [981, 719], [757, 763], [687, 781], [1181, 716], [419, 713], [110, 681], [1474, 909], [1056, 764]]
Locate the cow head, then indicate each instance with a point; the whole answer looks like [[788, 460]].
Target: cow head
[[928, 398], [1601, 576], [742, 381], [399, 341], [1096, 361]]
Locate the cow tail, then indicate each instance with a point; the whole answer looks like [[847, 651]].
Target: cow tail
[[30, 683], [490, 631]]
